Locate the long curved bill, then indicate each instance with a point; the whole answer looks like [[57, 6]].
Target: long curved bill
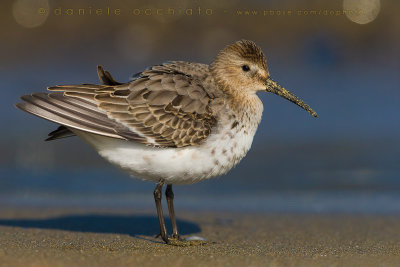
[[275, 88]]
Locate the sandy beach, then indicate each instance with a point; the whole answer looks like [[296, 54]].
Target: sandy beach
[[95, 237]]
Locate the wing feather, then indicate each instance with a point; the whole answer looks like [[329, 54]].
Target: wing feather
[[161, 107]]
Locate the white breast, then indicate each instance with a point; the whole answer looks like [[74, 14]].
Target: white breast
[[223, 149]]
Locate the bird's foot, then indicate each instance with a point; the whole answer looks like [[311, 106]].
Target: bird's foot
[[181, 242], [177, 240], [173, 236]]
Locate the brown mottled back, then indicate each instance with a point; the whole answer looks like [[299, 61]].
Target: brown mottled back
[[165, 107]]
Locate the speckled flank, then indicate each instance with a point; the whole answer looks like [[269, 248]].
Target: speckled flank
[[224, 148]]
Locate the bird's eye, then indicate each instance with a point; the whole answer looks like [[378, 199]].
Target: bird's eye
[[245, 68]]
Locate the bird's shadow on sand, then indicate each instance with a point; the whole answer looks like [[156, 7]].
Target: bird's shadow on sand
[[134, 225]]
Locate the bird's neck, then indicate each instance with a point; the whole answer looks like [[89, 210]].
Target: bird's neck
[[249, 109], [246, 110]]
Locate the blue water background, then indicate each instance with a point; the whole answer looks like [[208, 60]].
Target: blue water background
[[347, 160]]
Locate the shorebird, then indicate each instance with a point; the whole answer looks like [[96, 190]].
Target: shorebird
[[173, 123]]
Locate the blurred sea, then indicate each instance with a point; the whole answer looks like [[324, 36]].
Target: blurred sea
[[347, 160], [237, 192], [283, 177]]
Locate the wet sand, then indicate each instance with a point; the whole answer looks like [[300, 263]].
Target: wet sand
[[93, 237]]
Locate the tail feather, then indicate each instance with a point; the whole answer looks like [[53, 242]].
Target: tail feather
[[61, 132]]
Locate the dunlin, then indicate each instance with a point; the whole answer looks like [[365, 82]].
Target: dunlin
[[173, 123]]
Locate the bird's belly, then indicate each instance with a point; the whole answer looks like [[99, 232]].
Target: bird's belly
[[174, 165]]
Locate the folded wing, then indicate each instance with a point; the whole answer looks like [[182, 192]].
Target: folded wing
[[161, 107]]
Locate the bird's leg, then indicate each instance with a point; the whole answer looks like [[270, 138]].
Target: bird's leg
[[170, 200], [157, 198], [174, 240]]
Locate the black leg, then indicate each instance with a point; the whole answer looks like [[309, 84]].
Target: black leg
[[157, 198], [170, 200]]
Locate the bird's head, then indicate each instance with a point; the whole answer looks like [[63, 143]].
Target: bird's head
[[242, 66]]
